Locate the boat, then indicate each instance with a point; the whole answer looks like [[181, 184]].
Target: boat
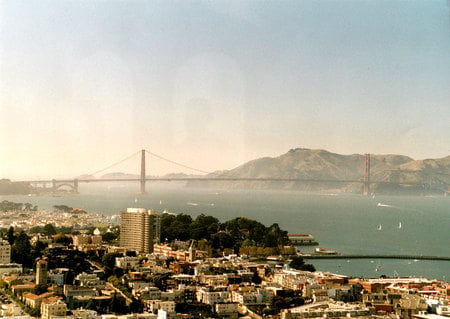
[[379, 227], [323, 251], [399, 225], [275, 258]]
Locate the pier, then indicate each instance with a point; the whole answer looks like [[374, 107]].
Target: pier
[[381, 256], [302, 239]]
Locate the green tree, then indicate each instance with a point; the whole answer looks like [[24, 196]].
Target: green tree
[[222, 240], [62, 208], [113, 280], [203, 227], [109, 237], [20, 250], [109, 261], [49, 230], [38, 249], [35, 230], [298, 263], [63, 239], [11, 236]]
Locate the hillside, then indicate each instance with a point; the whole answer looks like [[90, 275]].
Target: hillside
[[321, 165]]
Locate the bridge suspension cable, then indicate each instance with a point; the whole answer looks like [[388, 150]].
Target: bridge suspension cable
[[176, 163], [117, 163]]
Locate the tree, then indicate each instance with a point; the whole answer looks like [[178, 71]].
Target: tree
[[49, 230], [38, 249], [109, 237], [298, 263], [11, 236], [109, 261], [62, 208], [20, 250], [113, 280], [63, 239], [222, 240]]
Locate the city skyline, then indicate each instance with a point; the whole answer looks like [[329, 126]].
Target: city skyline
[[213, 84]]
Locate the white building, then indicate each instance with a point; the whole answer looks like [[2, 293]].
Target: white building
[[227, 310], [85, 314], [10, 268], [211, 296], [127, 262], [89, 280], [155, 306], [52, 309]]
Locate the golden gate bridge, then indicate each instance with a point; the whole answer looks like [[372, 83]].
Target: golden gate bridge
[[73, 183]]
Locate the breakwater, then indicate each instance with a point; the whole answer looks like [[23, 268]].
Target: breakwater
[[371, 256]]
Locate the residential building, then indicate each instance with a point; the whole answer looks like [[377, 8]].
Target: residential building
[[52, 308], [5, 252], [228, 310], [127, 262], [139, 229]]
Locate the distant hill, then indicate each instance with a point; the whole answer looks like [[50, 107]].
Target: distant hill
[[14, 188], [308, 164], [119, 175]]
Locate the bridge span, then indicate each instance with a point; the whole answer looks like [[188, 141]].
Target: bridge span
[[71, 184], [372, 256]]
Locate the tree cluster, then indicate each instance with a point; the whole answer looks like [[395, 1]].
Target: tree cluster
[[7, 206], [232, 234], [298, 263], [22, 252]]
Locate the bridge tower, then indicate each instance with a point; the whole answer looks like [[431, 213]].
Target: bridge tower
[[143, 172], [366, 191]]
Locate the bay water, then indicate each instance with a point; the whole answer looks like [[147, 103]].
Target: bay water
[[346, 223]]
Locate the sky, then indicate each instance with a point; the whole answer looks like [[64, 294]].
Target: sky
[[214, 84]]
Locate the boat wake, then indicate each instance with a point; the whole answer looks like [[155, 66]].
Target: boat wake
[[192, 204], [384, 205]]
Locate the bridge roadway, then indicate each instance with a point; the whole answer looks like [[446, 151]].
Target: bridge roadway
[[185, 179], [363, 256]]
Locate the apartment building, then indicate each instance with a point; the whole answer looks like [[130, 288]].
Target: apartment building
[[139, 229]]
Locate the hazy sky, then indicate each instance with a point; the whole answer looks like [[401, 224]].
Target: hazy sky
[[213, 84]]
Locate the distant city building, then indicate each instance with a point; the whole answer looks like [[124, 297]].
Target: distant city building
[[139, 229], [5, 252]]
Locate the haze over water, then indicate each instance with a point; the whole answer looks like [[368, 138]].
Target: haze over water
[[345, 223]]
